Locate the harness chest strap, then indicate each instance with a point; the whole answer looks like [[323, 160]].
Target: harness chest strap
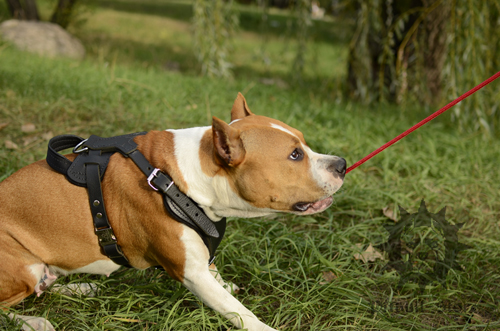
[[88, 169], [102, 228]]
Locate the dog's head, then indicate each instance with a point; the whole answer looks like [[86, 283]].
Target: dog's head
[[269, 165]]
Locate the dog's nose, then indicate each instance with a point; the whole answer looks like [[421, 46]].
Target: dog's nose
[[338, 167]]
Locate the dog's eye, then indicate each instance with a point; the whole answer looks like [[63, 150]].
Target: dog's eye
[[296, 155]]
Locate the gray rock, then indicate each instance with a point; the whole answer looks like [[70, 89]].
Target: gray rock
[[43, 38]]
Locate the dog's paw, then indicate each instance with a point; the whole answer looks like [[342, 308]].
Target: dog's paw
[[228, 286], [87, 289], [30, 323], [231, 287]]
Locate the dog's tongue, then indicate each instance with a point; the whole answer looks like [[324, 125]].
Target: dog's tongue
[[322, 204]]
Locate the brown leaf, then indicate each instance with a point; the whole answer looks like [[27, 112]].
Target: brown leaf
[[47, 135], [479, 319], [10, 94], [10, 145], [328, 277], [28, 127], [29, 140], [369, 255], [3, 125], [389, 213]]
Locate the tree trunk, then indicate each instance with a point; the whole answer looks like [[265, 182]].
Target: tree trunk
[[23, 11], [398, 50], [62, 14], [434, 52]]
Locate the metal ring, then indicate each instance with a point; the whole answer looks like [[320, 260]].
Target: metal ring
[[76, 150]]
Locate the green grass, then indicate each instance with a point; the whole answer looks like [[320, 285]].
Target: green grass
[[280, 262]]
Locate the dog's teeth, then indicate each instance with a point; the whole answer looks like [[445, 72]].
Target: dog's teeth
[[302, 206]]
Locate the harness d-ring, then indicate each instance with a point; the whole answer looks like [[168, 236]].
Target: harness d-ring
[[76, 150]]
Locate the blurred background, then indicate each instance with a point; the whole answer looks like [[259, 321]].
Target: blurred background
[[424, 52]]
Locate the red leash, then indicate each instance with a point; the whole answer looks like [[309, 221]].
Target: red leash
[[416, 126]]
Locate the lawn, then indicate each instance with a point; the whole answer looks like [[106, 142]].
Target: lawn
[[297, 273]]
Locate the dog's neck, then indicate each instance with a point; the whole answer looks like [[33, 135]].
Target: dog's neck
[[206, 181]]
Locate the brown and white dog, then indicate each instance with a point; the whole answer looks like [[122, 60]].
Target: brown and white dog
[[251, 167]]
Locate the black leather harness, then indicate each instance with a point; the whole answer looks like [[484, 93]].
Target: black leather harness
[[88, 168]]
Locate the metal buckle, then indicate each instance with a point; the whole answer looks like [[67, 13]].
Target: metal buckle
[[106, 236], [153, 175], [76, 150]]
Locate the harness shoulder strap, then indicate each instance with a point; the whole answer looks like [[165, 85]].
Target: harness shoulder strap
[[158, 180], [89, 167]]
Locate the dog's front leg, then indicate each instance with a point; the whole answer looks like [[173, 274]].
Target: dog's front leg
[[212, 293], [230, 287], [200, 281]]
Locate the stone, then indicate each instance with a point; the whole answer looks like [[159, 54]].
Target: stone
[[44, 38]]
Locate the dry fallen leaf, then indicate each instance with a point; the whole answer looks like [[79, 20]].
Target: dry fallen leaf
[[3, 125], [328, 277], [478, 319], [10, 145], [369, 255], [28, 127], [475, 318], [47, 135], [389, 213], [28, 140], [10, 94]]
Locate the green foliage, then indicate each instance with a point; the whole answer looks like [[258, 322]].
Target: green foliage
[[76, 16], [386, 60], [302, 11], [4, 11], [428, 52], [473, 56], [214, 24]]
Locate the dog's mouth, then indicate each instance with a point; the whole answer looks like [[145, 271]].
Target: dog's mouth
[[306, 208]]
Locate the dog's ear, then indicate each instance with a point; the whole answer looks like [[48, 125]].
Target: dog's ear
[[240, 108], [227, 142]]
